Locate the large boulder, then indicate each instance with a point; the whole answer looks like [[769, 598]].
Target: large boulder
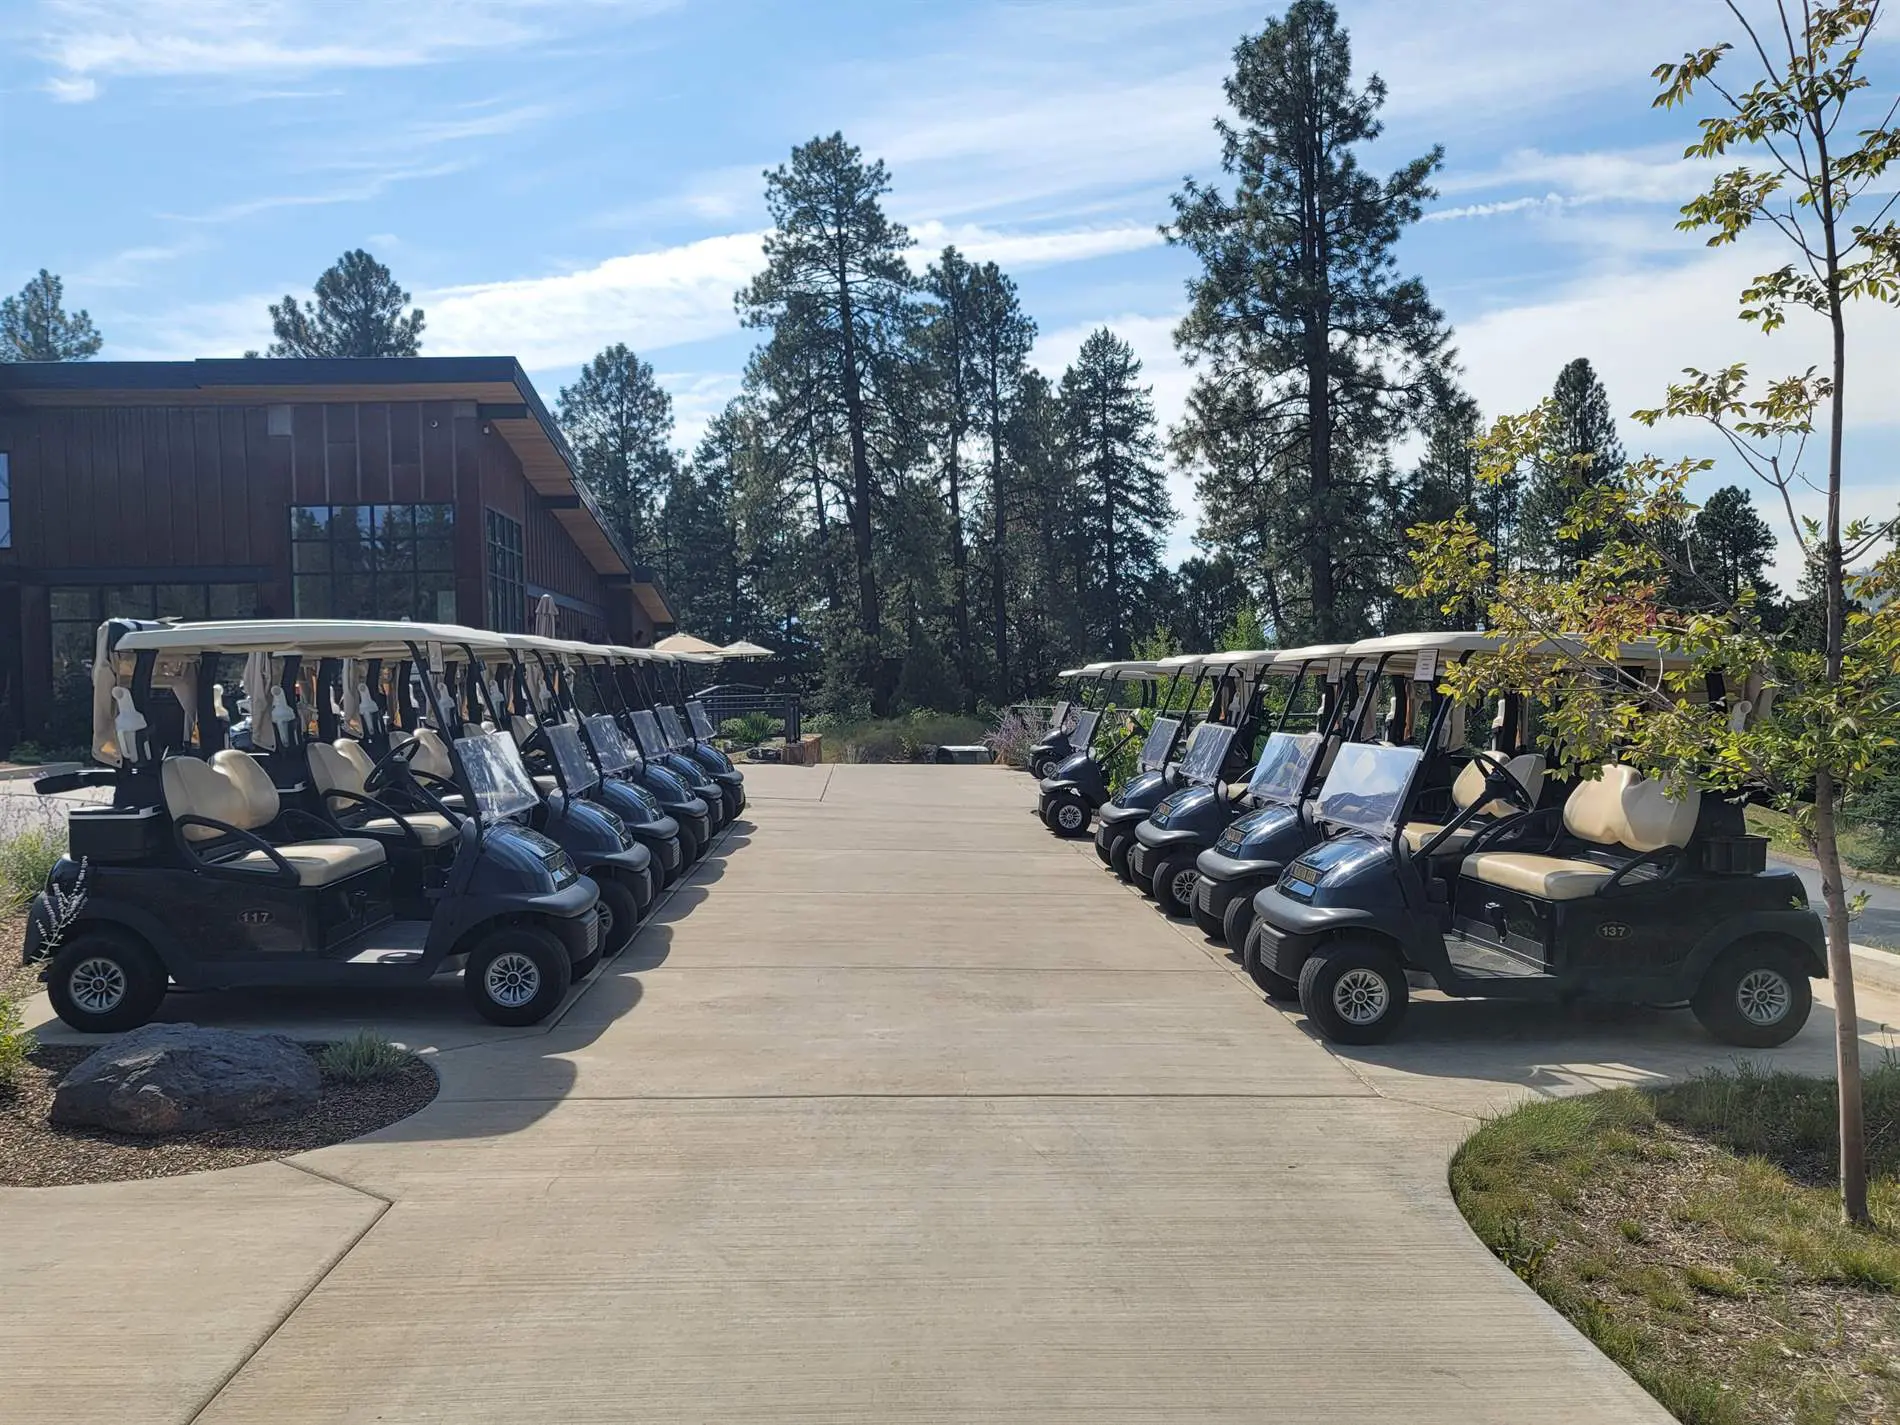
[[178, 1078]]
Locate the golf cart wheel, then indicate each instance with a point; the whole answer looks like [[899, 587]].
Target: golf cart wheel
[[518, 974], [1205, 919], [1173, 882], [1069, 815], [104, 981], [692, 846], [1104, 840], [735, 801], [622, 918], [1044, 769], [1272, 983], [1354, 991], [1756, 994], [1236, 923], [1118, 850]]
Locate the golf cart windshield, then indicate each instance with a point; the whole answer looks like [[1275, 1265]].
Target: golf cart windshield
[[1083, 733], [648, 733], [1365, 790], [610, 746], [577, 769], [1154, 752], [498, 780], [1059, 717], [1206, 751], [1281, 772], [701, 720], [670, 723]]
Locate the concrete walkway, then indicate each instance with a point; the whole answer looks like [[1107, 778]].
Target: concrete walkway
[[902, 1111]]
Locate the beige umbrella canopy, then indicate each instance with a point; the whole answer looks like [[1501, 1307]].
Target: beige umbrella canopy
[[743, 649], [685, 643], [544, 616]]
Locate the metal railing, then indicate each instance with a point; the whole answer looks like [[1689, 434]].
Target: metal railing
[[732, 700]]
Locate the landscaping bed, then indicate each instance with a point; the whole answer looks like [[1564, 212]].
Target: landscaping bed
[[1694, 1234], [33, 1153]]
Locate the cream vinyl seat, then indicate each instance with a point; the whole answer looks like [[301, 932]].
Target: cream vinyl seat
[[1527, 768], [233, 789], [1620, 809], [343, 766]]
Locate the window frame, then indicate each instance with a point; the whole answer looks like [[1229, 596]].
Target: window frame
[[6, 499], [504, 570], [371, 560]]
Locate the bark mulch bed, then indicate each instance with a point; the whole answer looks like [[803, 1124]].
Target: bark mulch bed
[[33, 1153]]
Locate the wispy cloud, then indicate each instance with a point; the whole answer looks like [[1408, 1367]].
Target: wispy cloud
[[373, 186], [1018, 251], [86, 41]]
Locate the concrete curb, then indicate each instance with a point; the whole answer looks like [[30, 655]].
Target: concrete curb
[[1880, 968]]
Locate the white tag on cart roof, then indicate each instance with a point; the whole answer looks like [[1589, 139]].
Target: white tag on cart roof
[[1426, 669]]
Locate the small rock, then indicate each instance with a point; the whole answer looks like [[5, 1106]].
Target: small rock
[[178, 1078]]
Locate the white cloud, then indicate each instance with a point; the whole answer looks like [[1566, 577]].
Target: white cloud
[[1016, 251], [650, 300], [67, 90]]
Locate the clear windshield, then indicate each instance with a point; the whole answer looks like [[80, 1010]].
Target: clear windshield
[[701, 720], [610, 745], [1280, 775], [577, 768], [648, 733], [670, 724], [1154, 752], [1206, 751], [1083, 733], [1365, 789], [1059, 718], [497, 777]]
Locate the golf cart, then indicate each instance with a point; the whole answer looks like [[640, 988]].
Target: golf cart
[[631, 668], [1055, 745], [1187, 819], [587, 755], [683, 735], [1156, 771], [1631, 890], [206, 873], [1067, 800], [608, 678]]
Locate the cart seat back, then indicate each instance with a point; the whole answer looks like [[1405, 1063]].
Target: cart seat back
[[340, 766], [1619, 809], [1527, 768], [430, 755], [195, 788]]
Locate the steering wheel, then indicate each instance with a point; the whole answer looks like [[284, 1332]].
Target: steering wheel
[[1502, 783], [397, 755]]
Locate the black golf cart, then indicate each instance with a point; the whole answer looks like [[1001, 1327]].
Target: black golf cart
[[689, 728], [1156, 770], [1055, 745], [1631, 890], [1161, 860], [206, 874], [1066, 800]]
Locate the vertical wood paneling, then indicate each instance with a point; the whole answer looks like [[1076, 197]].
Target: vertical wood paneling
[[372, 452], [405, 453], [466, 462], [342, 474], [235, 487], [208, 480], [188, 498], [307, 452], [271, 491], [438, 454]]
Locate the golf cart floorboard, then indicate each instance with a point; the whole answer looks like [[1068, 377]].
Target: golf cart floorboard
[[393, 942], [1474, 960], [390, 952]]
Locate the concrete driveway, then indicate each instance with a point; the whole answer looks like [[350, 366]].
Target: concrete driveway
[[902, 1111]]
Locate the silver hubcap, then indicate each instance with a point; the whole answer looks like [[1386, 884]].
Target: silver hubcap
[[606, 921], [97, 985], [1360, 996], [1184, 883], [512, 980], [1764, 997], [1069, 815]]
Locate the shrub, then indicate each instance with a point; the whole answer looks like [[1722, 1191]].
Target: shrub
[[363, 1057], [26, 859], [15, 1042], [752, 729], [1017, 730]]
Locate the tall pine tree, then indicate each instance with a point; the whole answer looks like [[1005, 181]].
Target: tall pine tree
[[1584, 449], [35, 325], [358, 311], [1312, 347], [620, 424]]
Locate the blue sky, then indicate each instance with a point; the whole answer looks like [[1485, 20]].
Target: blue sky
[[547, 176]]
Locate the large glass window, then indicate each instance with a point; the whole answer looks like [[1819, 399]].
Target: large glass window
[[507, 576], [78, 610], [374, 561], [6, 503]]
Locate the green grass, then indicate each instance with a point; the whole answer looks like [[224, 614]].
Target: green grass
[[1694, 1234], [898, 739], [363, 1057], [26, 858], [1860, 848]]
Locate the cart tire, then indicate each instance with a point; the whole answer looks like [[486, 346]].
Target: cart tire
[[518, 974], [1205, 920], [1174, 872], [1104, 840], [1044, 769], [1272, 983], [691, 847], [1756, 994], [1236, 924], [623, 916], [1118, 850], [735, 801], [1069, 816], [105, 980], [1354, 991]]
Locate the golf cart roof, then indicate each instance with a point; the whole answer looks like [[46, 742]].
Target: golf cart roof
[[1072, 672], [1137, 670], [1294, 658], [339, 636], [1401, 646], [1187, 661], [1241, 658]]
